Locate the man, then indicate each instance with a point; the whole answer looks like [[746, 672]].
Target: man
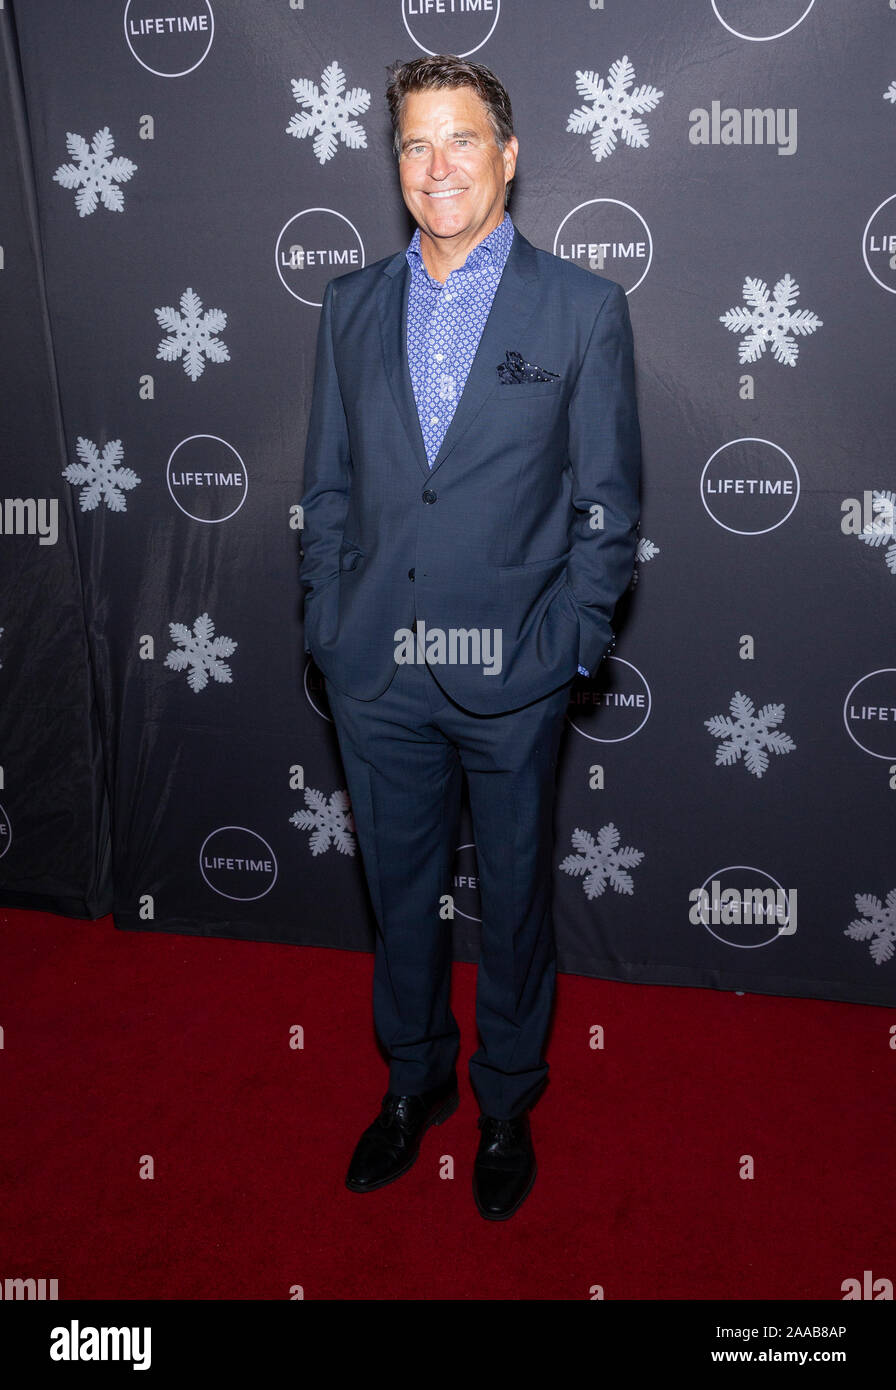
[[470, 515]]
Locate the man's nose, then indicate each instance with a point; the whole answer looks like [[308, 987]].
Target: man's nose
[[440, 166]]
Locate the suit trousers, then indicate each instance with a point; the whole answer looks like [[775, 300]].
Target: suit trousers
[[404, 754]]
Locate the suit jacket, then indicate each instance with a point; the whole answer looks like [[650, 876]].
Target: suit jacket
[[525, 528]]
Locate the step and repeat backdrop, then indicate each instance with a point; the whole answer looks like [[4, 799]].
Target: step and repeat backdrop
[[181, 182]]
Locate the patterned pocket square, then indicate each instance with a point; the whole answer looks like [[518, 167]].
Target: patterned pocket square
[[515, 368]]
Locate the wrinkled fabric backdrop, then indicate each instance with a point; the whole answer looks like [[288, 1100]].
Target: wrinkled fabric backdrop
[[180, 182]]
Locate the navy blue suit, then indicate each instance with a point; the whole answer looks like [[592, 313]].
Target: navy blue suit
[[526, 526]]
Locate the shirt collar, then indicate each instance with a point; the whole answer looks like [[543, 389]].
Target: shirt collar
[[492, 250]]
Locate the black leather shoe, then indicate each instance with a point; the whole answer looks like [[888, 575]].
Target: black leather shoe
[[505, 1169], [389, 1147]]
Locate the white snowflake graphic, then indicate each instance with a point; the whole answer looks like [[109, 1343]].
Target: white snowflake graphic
[[890, 93], [100, 476], [330, 112], [192, 334], [614, 109], [748, 735], [601, 861], [200, 652], [646, 551], [881, 530], [96, 174], [770, 320], [877, 925], [330, 822]]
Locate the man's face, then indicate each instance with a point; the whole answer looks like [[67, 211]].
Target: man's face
[[452, 172]]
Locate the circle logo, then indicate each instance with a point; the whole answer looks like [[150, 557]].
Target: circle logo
[[465, 884], [613, 706], [315, 690], [450, 26], [608, 237], [879, 244], [745, 907], [749, 486], [207, 478], [313, 247], [237, 863], [169, 45], [869, 713], [757, 21]]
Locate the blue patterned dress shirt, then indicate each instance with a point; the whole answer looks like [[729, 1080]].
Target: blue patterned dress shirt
[[445, 323]]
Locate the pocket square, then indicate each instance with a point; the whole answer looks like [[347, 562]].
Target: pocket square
[[515, 368]]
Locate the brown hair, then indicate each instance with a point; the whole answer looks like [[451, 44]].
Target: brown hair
[[446, 70]]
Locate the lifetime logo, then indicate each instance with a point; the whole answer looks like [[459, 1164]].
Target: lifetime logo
[[743, 907], [606, 234], [450, 26], [879, 244], [869, 713], [302, 258], [596, 252], [169, 45], [238, 863], [169, 24], [749, 486], [207, 478], [310, 246], [424, 7]]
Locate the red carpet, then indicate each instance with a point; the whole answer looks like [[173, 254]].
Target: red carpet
[[119, 1045]]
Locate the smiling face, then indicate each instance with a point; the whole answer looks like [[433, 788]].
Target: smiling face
[[451, 170]]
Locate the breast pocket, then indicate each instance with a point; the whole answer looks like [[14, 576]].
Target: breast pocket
[[513, 393]]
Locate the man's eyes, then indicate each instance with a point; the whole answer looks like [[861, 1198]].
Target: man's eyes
[[415, 149]]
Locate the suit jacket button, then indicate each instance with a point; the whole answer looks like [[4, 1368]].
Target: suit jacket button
[[429, 495], [410, 574]]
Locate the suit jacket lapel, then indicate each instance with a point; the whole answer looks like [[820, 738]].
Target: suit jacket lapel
[[512, 307]]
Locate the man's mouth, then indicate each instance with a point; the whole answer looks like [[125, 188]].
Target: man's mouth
[[446, 193]]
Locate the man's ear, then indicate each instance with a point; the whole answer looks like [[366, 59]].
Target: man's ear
[[510, 152]]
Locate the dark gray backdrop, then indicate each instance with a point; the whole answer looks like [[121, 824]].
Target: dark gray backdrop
[[193, 176]]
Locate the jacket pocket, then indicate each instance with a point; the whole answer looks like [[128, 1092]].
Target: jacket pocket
[[524, 390], [534, 565]]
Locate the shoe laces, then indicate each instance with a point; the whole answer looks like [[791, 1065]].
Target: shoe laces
[[501, 1129], [395, 1109]]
